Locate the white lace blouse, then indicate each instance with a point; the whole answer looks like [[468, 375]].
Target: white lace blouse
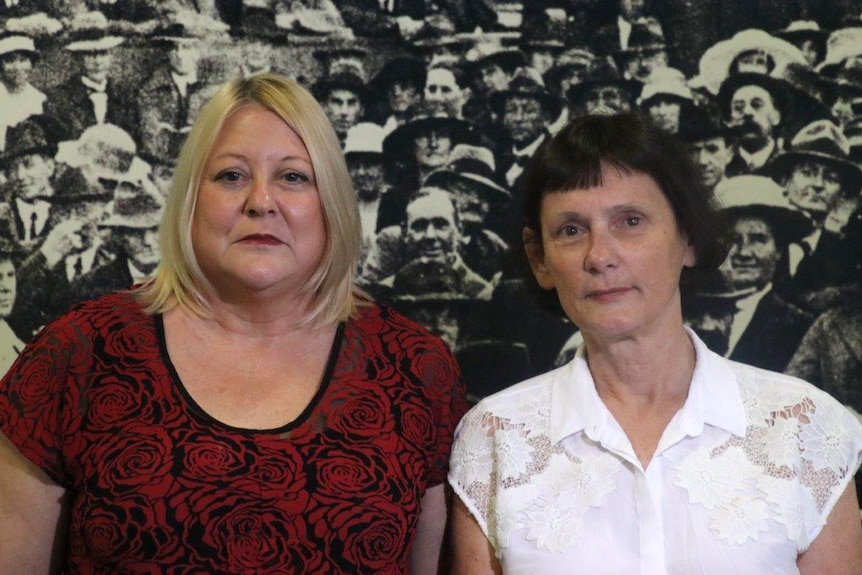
[[743, 479]]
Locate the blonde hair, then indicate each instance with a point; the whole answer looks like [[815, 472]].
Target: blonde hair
[[179, 279]]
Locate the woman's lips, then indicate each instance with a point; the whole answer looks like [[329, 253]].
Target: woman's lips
[[265, 239]]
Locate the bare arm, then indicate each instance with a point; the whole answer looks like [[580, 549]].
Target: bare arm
[[838, 548], [425, 558], [472, 553], [31, 516]]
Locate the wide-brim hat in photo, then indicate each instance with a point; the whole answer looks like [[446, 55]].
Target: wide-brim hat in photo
[[821, 141], [842, 81], [89, 33], [603, 72], [17, 44], [364, 140], [698, 124], [760, 197], [801, 30], [777, 88], [526, 82], [471, 166], [841, 44], [399, 142], [174, 34], [101, 150], [27, 138], [714, 65], [134, 207], [667, 82], [341, 80], [407, 70]]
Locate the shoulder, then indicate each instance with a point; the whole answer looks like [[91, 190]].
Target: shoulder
[[386, 332], [526, 405], [104, 314]]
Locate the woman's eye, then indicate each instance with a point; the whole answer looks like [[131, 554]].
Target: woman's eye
[[632, 221], [229, 176], [295, 177]]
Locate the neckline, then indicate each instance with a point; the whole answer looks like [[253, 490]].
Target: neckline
[[201, 415]]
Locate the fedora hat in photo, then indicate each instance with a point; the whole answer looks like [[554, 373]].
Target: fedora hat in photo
[[342, 80], [526, 82], [491, 54], [470, 166], [646, 36], [603, 72], [760, 197], [700, 124], [28, 138], [133, 206], [545, 31], [821, 141]]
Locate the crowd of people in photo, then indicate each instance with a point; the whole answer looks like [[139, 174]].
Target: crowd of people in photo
[[438, 107]]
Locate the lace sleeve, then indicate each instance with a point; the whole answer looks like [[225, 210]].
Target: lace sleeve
[[830, 442], [471, 467]]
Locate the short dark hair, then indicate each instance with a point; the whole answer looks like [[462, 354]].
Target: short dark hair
[[629, 142]]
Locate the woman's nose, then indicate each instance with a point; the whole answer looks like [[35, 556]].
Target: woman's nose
[[259, 201]]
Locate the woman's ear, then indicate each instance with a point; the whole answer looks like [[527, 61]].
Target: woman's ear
[[689, 259], [536, 256]]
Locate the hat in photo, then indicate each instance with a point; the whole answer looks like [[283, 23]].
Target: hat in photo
[[646, 36], [399, 70], [17, 44], [762, 198], [134, 206], [98, 150], [88, 32], [776, 87], [802, 30], [342, 80], [526, 82], [714, 65], [491, 53], [603, 72], [545, 31], [27, 138], [699, 124], [841, 44], [399, 142], [339, 57], [470, 166], [667, 82], [821, 141], [174, 33], [364, 140]]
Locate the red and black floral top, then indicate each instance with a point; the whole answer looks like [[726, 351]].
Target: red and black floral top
[[158, 486]]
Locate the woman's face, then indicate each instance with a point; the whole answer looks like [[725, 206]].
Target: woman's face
[[614, 254], [258, 225], [8, 287]]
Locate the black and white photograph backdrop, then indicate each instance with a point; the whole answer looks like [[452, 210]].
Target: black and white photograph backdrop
[[439, 106]]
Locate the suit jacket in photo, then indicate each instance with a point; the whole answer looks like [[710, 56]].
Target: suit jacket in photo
[[773, 335], [70, 109]]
